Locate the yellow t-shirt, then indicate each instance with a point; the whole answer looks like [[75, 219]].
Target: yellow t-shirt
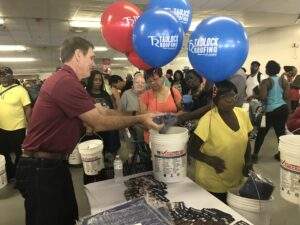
[[220, 140], [12, 116]]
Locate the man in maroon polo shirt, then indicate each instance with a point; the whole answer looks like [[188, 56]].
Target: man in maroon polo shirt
[[62, 107]]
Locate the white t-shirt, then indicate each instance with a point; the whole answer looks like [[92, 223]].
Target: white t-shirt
[[252, 82]]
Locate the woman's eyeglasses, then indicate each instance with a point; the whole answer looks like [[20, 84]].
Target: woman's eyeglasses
[[153, 79], [229, 95]]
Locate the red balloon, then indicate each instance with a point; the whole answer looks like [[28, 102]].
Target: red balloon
[[137, 61], [117, 23]]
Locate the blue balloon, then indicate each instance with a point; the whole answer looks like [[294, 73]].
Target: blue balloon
[[182, 10], [157, 37], [218, 47]]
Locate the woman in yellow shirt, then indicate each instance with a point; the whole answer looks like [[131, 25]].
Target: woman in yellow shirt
[[220, 144]]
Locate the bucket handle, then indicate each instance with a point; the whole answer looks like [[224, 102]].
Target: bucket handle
[[80, 139], [94, 133], [295, 130], [85, 136]]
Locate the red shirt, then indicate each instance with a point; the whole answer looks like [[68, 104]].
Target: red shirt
[[54, 124], [293, 122], [153, 105]]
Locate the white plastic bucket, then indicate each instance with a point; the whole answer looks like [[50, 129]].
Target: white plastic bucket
[[289, 147], [91, 155], [169, 154], [74, 158], [3, 178], [256, 211]]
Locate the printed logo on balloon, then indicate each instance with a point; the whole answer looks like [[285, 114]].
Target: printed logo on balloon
[[130, 21], [164, 42], [218, 48], [204, 46], [117, 23], [157, 37], [182, 10]]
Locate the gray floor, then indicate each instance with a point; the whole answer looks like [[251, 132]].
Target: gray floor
[[283, 213]]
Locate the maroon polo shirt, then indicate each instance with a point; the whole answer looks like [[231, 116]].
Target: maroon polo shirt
[[54, 125], [293, 122]]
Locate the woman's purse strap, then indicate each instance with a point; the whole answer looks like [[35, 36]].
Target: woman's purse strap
[[8, 89]]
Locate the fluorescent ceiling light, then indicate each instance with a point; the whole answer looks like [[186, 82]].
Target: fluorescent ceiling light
[[120, 58], [12, 48], [100, 49], [1, 21], [14, 59], [85, 22]]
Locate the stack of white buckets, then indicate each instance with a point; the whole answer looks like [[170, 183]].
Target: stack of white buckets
[[289, 147], [3, 178], [91, 156], [169, 154]]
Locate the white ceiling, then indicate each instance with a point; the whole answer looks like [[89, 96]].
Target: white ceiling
[[42, 25]]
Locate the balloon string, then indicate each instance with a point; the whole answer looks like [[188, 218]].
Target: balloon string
[[211, 107]]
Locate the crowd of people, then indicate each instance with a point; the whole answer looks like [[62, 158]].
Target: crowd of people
[[42, 124]]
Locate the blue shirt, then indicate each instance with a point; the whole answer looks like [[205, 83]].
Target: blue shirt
[[275, 96]]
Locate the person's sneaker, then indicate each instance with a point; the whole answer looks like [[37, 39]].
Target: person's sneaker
[[277, 156], [254, 158]]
